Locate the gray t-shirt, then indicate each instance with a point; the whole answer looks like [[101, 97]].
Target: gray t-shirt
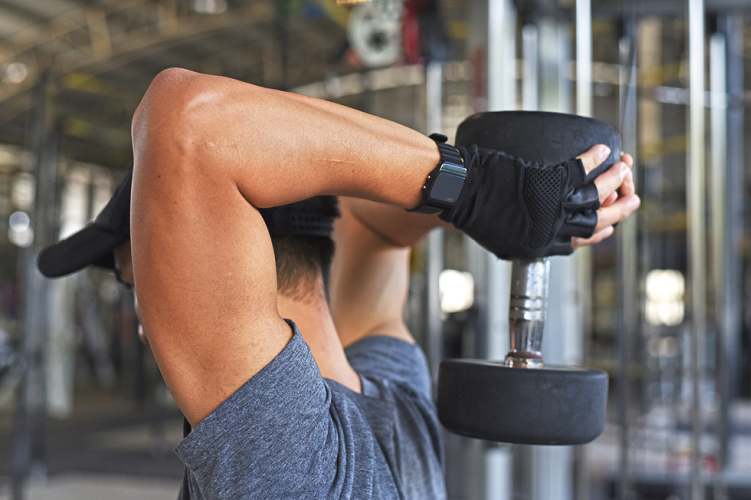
[[290, 433]]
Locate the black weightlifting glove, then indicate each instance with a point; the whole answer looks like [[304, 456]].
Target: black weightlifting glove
[[519, 209]]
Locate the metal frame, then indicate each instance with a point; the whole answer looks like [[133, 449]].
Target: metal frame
[[435, 240], [501, 96], [719, 239], [28, 452], [696, 199], [627, 260]]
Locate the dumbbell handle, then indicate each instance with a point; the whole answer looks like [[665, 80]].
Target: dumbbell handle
[[527, 311]]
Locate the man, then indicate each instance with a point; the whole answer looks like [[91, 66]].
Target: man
[[274, 416], [303, 249]]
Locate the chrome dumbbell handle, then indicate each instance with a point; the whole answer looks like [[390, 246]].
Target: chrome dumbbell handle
[[527, 311]]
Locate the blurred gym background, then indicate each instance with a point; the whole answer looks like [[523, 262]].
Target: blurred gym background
[[663, 306]]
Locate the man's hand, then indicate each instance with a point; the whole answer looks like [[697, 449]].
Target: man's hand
[[520, 209], [617, 192]]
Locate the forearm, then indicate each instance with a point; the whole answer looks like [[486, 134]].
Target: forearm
[[370, 274], [280, 147], [369, 280], [397, 227]]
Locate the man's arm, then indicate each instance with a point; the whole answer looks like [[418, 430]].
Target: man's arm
[[208, 151], [370, 272], [281, 147], [369, 277]]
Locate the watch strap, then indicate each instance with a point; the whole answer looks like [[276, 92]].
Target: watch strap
[[451, 163], [448, 152]]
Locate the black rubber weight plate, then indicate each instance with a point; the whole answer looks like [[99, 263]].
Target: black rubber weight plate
[[550, 406], [540, 137]]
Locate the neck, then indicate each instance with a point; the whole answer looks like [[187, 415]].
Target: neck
[[313, 318]]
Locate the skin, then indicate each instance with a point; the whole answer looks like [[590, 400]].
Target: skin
[[310, 313], [208, 151]]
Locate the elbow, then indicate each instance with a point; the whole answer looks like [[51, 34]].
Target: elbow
[[187, 125], [160, 109], [169, 118]]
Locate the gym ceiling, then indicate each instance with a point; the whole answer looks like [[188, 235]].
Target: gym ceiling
[[94, 59], [98, 57]]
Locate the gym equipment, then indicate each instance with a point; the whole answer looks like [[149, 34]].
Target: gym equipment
[[520, 399]]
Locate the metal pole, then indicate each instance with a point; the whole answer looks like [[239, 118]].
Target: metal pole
[[719, 240], [726, 79], [434, 96], [550, 64], [584, 57], [627, 263], [565, 57], [501, 96], [28, 456], [530, 78], [22, 436], [434, 323], [734, 26], [696, 182], [523, 456], [501, 55], [583, 257], [552, 467]]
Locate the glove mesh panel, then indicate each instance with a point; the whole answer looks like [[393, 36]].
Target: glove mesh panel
[[541, 194]]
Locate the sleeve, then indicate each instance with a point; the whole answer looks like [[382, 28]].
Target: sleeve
[[279, 436], [388, 358], [397, 396]]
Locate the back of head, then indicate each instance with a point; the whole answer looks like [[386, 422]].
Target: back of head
[[303, 247], [300, 233]]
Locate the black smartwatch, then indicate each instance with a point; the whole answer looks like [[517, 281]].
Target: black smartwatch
[[445, 182]]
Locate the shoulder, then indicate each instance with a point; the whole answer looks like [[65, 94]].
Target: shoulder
[[300, 438], [391, 359]]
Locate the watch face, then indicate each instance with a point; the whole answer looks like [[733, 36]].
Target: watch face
[[446, 188]]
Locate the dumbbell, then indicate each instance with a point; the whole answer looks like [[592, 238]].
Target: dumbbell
[[521, 399]]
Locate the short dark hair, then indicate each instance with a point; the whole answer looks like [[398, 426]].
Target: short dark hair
[[299, 262], [303, 247]]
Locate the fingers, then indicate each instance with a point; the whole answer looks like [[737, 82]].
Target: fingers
[[611, 180], [606, 217], [615, 206], [594, 157], [628, 187], [627, 159], [617, 212], [594, 239], [609, 200]]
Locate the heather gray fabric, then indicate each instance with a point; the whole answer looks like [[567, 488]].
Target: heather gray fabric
[[289, 433]]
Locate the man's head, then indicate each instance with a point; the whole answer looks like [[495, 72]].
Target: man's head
[[300, 233]]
